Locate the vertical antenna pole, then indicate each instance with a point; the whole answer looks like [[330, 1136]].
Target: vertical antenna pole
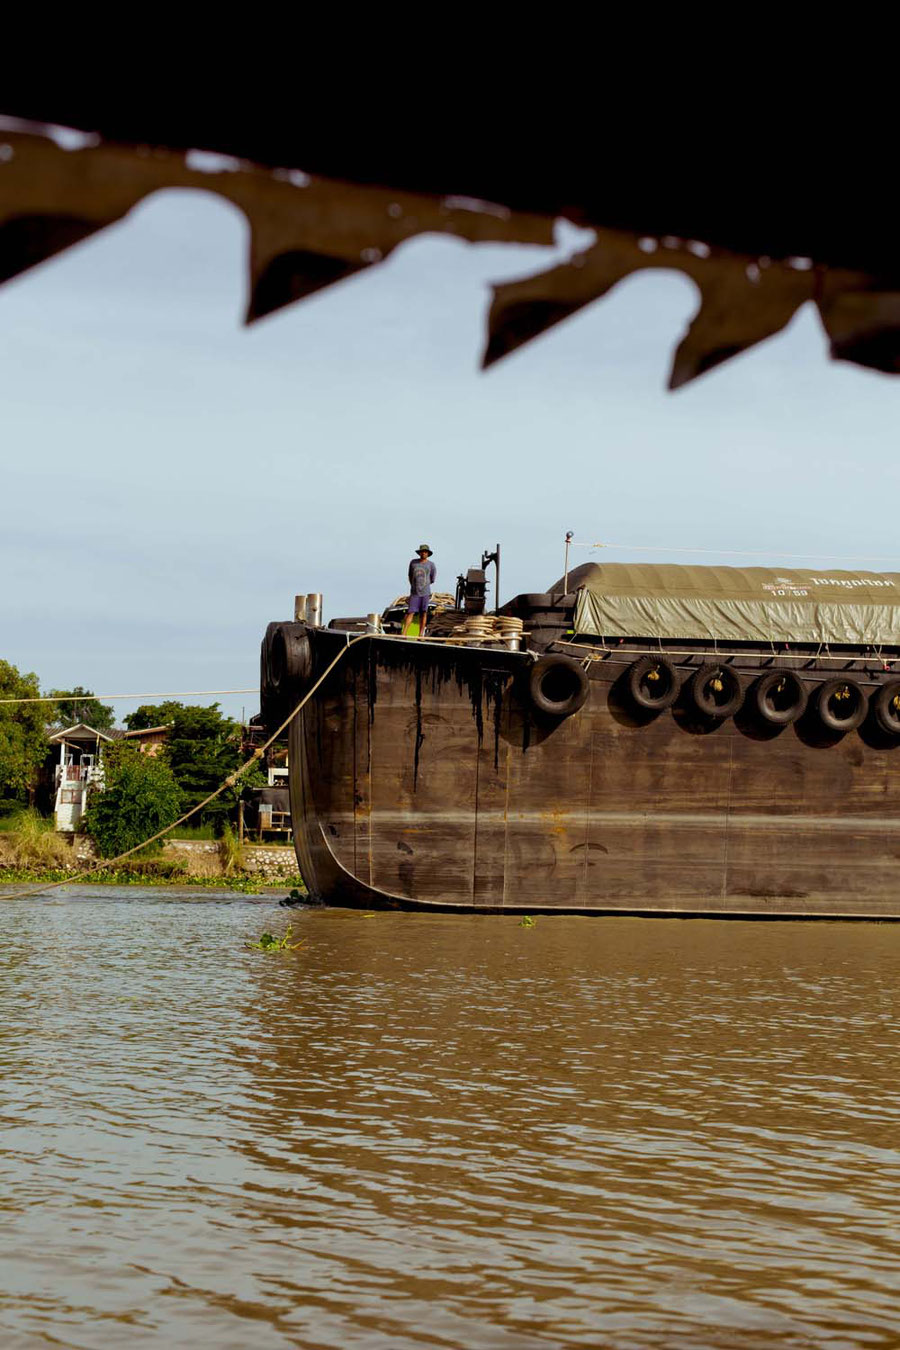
[[497, 581], [570, 534]]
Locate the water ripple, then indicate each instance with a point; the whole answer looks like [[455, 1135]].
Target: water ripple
[[437, 1131]]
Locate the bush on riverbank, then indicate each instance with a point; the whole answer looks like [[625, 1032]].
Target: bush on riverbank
[[140, 797]]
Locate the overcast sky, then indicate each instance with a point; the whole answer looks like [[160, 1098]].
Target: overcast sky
[[171, 479]]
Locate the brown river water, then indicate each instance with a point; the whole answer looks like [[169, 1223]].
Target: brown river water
[[443, 1131]]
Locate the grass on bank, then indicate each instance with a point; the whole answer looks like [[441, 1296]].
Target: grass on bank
[[28, 840], [10, 814], [149, 873], [232, 858], [121, 877], [32, 851], [194, 833]]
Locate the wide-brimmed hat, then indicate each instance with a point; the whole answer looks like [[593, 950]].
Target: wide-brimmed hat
[[423, 548]]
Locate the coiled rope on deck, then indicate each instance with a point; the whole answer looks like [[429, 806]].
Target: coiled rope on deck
[[105, 864]]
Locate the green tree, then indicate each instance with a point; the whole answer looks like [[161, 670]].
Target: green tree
[[203, 748], [154, 715], [140, 796], [79, 706], [23, 733]]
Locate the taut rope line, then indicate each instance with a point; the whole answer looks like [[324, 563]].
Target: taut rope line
[[99, 698], [743, 552], [103, 864]]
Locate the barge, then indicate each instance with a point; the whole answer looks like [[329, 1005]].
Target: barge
[[643, 740]]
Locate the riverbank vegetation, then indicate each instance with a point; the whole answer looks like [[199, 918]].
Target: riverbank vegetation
[[140, 797], [165, 872], [27, 840], [135, 875], [31, 851], [232, 857]]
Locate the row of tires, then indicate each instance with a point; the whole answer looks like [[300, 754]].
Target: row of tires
[[558, 687], [778, 697]]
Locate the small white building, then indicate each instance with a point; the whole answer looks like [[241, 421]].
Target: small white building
[[78, 766]]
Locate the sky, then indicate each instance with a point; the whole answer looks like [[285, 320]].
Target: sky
[[172, 479]]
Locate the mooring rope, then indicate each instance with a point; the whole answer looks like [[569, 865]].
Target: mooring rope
[[105, 864], [742, 552], [100, 698]]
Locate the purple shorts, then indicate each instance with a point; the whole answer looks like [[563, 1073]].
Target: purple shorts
[[418, 604]]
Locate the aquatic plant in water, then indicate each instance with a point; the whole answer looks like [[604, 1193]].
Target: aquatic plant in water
[[527, 921], [294, 898], [268, 942]]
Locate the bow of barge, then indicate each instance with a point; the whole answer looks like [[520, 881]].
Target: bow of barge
[[592, 772]]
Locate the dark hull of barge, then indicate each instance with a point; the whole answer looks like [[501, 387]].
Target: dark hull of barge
[[422, 778]]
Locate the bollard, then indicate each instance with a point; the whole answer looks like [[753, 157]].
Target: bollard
[[299, 609], [314, 609], [373, 623]]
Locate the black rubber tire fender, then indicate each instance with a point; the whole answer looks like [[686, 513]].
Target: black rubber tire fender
[[647, 672], [841, 704], [265, 647], [557, 685], [290, 660], [886, 707], [716, 702], [780, 697]]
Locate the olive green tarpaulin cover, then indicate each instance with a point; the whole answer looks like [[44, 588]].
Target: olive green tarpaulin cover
[[736, 604]]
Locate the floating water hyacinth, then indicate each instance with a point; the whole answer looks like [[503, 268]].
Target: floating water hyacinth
[[292, 899], [268, 942], [527, 921]]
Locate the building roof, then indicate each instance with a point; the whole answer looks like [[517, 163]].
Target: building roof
[[80, 732]]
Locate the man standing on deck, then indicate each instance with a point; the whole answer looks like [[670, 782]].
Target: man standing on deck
[[422, 573]]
